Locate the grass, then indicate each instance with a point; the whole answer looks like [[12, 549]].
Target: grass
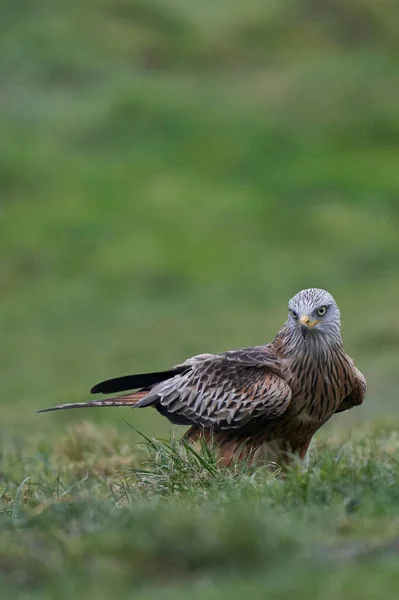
[[171, 173], [87, 517]]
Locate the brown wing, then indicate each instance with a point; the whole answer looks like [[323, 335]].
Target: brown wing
[[224, 392], [357, 394], [255, 356]]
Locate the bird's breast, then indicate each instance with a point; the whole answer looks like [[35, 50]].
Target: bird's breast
[[318, 389]]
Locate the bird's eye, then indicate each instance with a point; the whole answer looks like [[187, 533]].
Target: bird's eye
[[294, 314], [321, 311]]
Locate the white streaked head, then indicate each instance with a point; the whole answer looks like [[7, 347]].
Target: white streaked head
[[314, 314]]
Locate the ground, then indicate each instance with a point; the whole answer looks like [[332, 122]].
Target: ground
[[96, 516]]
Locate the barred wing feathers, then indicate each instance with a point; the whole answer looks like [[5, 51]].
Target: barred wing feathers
[[223, 391]]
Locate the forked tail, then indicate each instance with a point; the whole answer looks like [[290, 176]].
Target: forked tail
[[125, 400], [146, 381]]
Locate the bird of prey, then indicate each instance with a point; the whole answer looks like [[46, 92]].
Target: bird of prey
[[262, 403]]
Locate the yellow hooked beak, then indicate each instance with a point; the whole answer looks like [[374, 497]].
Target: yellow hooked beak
[[306, 324], [305, 320]]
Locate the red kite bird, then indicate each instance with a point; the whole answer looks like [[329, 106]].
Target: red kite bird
[[261, 403]]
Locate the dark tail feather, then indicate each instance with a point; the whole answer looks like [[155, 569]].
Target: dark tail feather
[[126, 400], [131, 382]]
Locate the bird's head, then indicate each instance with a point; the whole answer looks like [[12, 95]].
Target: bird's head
[[314, 313]]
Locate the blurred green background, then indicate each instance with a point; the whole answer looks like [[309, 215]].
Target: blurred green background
[[173, 171]]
